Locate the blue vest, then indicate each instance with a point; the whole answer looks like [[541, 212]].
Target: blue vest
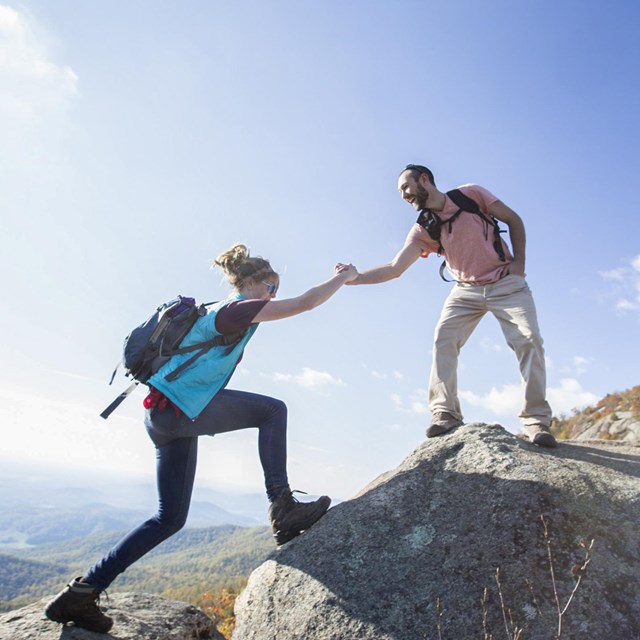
[[196, 386]]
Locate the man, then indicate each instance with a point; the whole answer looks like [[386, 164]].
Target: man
[[489, 278]]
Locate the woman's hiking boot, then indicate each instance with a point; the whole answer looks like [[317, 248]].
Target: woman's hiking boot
[[289, 518], [78, 603]]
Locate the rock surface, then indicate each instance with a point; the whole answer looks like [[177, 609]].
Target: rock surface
[[136, 617], [410, 556]]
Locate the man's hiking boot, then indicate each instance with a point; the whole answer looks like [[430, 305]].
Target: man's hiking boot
[[78, 603], [441, 423], [289, 518], [540, 435]]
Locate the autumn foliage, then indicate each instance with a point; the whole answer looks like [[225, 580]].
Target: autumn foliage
[[219, 605]]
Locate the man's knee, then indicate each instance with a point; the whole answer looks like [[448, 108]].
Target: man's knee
[[525, 341]]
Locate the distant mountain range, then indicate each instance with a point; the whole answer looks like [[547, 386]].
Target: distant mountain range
[[55, 523], [42, 506], [615, 417]]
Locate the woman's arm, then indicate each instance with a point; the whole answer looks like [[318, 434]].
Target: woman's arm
[[278, 309]]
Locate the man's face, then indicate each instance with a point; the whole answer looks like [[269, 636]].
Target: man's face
[[413, 191]]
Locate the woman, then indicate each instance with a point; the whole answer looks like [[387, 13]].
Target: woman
[[197, 403]]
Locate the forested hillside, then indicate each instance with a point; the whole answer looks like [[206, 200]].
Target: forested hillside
[[185, 567]]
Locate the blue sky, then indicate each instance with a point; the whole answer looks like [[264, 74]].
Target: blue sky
[[138, 140]]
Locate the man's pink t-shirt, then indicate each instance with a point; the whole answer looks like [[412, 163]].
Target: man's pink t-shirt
[[468, 248]]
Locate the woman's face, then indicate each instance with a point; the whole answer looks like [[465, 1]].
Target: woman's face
[[264, 288]]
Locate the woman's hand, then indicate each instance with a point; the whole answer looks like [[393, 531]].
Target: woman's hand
[[347, 271]]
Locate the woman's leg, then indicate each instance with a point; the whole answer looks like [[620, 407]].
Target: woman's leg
[[176, 465], [78, 602], [234, 410]]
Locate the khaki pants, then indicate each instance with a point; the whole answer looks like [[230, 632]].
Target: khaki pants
[[511, 302]]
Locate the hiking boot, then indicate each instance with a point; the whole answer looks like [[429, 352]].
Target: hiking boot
[[78, 603], [441, 423], [289, 518], [540, 435]]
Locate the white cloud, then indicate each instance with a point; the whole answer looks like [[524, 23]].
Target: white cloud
[[579, 365], [32, 83], [379, 375], [502, 402], [613, 274], [69, 433], [625, 286], [309, 378], [35, 101], [626, 305], [417, 402], [490, 345], [507, 401], [568, 396], [396, 399], [419, 407]]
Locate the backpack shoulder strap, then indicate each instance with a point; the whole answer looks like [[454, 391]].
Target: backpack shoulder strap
[[201, 348], [464, 201], [468, 204]]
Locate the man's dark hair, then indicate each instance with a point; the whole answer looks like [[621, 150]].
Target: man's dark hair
[[415, 171]]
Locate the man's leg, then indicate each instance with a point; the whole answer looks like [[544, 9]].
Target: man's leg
[[512, 304], [463, 309]]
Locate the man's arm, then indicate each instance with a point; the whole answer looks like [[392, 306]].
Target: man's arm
[[516, 234], [394, 269]]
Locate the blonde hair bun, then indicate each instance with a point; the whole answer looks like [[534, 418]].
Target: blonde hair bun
[[239, 266]]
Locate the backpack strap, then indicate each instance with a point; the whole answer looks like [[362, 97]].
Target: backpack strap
[[464, 202], [469, 204], [202, 348], [119, 400]]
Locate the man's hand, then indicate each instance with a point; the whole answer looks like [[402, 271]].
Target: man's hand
[[516, 234], [348, 271], [516, 268]]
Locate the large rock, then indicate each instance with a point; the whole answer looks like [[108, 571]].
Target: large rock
[[410, 556], [136, 617]]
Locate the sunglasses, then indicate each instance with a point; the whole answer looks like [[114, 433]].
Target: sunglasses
[[271, 288]]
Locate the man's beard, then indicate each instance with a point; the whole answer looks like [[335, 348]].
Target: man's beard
[[422, 195]]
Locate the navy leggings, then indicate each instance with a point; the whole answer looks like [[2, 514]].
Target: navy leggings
[[176, 441]]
